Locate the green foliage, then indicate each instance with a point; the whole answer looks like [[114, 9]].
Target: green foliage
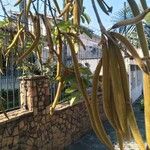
[[72, 94]]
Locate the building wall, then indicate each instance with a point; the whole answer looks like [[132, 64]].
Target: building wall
[[92, 63], [33, 128], [136, 81]]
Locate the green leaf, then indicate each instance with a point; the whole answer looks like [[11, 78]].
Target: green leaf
[[69, 90], [64, 25], [85, 70]]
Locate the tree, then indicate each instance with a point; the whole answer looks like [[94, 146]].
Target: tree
[[66, 26]]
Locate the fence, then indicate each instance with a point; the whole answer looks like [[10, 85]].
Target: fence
[[9, 89]]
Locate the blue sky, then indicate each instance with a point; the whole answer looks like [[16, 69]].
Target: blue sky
[[107, 20]]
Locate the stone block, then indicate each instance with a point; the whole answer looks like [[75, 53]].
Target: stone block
[[21, 125], [16, 140], [16, 131]]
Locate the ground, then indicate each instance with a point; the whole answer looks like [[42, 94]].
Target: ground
[[90, 141]]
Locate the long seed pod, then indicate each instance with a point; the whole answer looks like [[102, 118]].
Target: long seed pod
[[140, 30], [65, 10], [130, 115], [94, 105], [134, 20], [82, 87], [84, 93], [107, 103], [14, 41], [146, 86], [57, 96], [76, 13], [118, 91], [108, 97], [21, 36], [38, 52], [34, 44], [66, 14], [132, 50], [59, 74], [144, 46], [28, 7], [48, 36]]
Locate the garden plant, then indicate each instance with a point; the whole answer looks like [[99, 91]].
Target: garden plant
[[64, 26]]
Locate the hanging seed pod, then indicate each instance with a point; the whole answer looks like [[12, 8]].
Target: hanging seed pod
[[118, 91], [49, 36], [108, 96], [94, 105], [144, 46], [28, 7], [76, 13], [14, 41], [108, 99], [140, 30], [132, 50], [57, 96], [65, 10], [134, 20], [99, 130], [34, 44], [58, 74], [107, 103], [130, 115], [146, 106], [21, 36]]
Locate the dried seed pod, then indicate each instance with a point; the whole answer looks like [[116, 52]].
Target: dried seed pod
[[146, 105], [96, 124], [134, 20], [119, 98], [130, 115], [59, 74], [132, 50], [14, 41], [35, 42], [76, 13], [65, 10]]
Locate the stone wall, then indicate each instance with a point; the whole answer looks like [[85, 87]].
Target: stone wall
[[32, 128]]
